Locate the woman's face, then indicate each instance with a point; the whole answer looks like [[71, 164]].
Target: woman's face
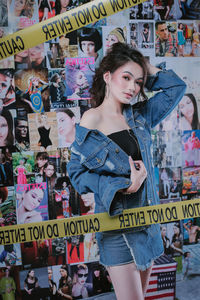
[[22, 54], [50, 273], [19, 5], [176, 230], [65, 123], [43, 118], [82, 276], [64, 3], [63, 272], [163, 231], [32, 273], [125, 83], [41, 162], [49, 170], [21, 162], [88, 199], [32, 199], [110, 40], [88, 48], [187, 108], [81, 79], [3, 131], [36, 52]]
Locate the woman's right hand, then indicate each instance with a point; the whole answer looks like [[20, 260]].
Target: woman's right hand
[[138, 175]]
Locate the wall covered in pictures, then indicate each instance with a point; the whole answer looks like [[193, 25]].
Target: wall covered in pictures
[[43, 93]]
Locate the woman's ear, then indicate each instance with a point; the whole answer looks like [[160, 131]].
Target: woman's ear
[[106, 77]]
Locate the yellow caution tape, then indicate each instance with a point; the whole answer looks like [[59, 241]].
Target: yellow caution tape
[[61, 25], [136, 217]]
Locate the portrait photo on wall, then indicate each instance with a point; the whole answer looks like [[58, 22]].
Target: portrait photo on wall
[[22, 14], [57, 88], [75, 249], [170, 182], [90, 43], [191, 261], [32, 90], [166, 39], [66, 123], [7, 89], [43, 133], [7, 63], [31, 202], [134, 34], [146, 38], [91, 250], [7, 206], [191, 231], [113, 34], [142, 11], [188, 35]]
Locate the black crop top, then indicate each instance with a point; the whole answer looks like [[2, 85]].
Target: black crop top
[[127, 141]]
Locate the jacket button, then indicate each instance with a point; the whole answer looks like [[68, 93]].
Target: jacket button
[[96, 132], [117, 150], [98, 160], [127, 182]]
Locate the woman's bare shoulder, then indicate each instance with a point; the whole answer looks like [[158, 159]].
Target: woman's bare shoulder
[[91, 118]]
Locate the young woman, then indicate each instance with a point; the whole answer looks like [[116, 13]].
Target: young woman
[[44, 129], [7, 286], [26, 211], [111, 158], [65, 284], [181, 39], [66, 127], [116, 35], [20, 171], [6, 129], [189, 119], [31, 285]]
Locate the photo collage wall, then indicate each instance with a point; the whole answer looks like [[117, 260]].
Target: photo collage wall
[[44, 91]]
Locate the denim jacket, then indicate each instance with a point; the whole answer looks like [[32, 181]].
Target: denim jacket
[[100, 166]]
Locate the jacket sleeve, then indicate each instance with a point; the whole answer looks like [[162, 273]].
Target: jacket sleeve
[[106, 186], [163, 102]]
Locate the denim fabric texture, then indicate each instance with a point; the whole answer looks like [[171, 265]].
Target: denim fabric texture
[[100, 166]]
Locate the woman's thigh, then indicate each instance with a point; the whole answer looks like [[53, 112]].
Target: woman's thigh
[[126, 281]]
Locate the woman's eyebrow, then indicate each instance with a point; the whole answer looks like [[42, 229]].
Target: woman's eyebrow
[[133, 75]]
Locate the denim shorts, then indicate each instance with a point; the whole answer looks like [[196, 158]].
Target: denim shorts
[[126, 246]]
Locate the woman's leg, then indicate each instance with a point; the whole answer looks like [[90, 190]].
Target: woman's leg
[[145, 279], [126, 281]]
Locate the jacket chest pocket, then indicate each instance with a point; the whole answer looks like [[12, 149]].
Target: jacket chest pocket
[[96, 160]]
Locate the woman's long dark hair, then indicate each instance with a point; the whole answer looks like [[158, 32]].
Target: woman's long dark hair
[[119, 55], [10, 138], [195, 119]]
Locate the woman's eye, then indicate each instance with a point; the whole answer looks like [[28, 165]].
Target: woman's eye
[[126, 78], [139, 83]]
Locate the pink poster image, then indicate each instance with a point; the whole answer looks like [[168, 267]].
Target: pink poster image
[[79, 73], [32, 202]]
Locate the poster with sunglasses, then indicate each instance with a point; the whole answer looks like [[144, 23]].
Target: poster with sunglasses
[[32, 202], [79, 73]]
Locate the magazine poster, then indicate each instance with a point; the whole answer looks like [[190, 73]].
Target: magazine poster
[[66, 122], [6, 167], [10, 255], [113, 34], [23, 166], [145, 37], [121, 18], [57, 88], [22, 142], [87, 204], [169, 48], [191, 231], [90, 43], [91, 250], [191, 148], [142, 11], [68, 45], [32, 90], [170, 182], [79, 72], [59, 251], [37, 254], [40, 286], [43, 133], [134, 34], [188, 38], [7, 63], [4, 14], [7, 93], [191, 180], [46, 9], [191, 262], [75, 249], [7, 206], [22, 15], [32, 202]]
